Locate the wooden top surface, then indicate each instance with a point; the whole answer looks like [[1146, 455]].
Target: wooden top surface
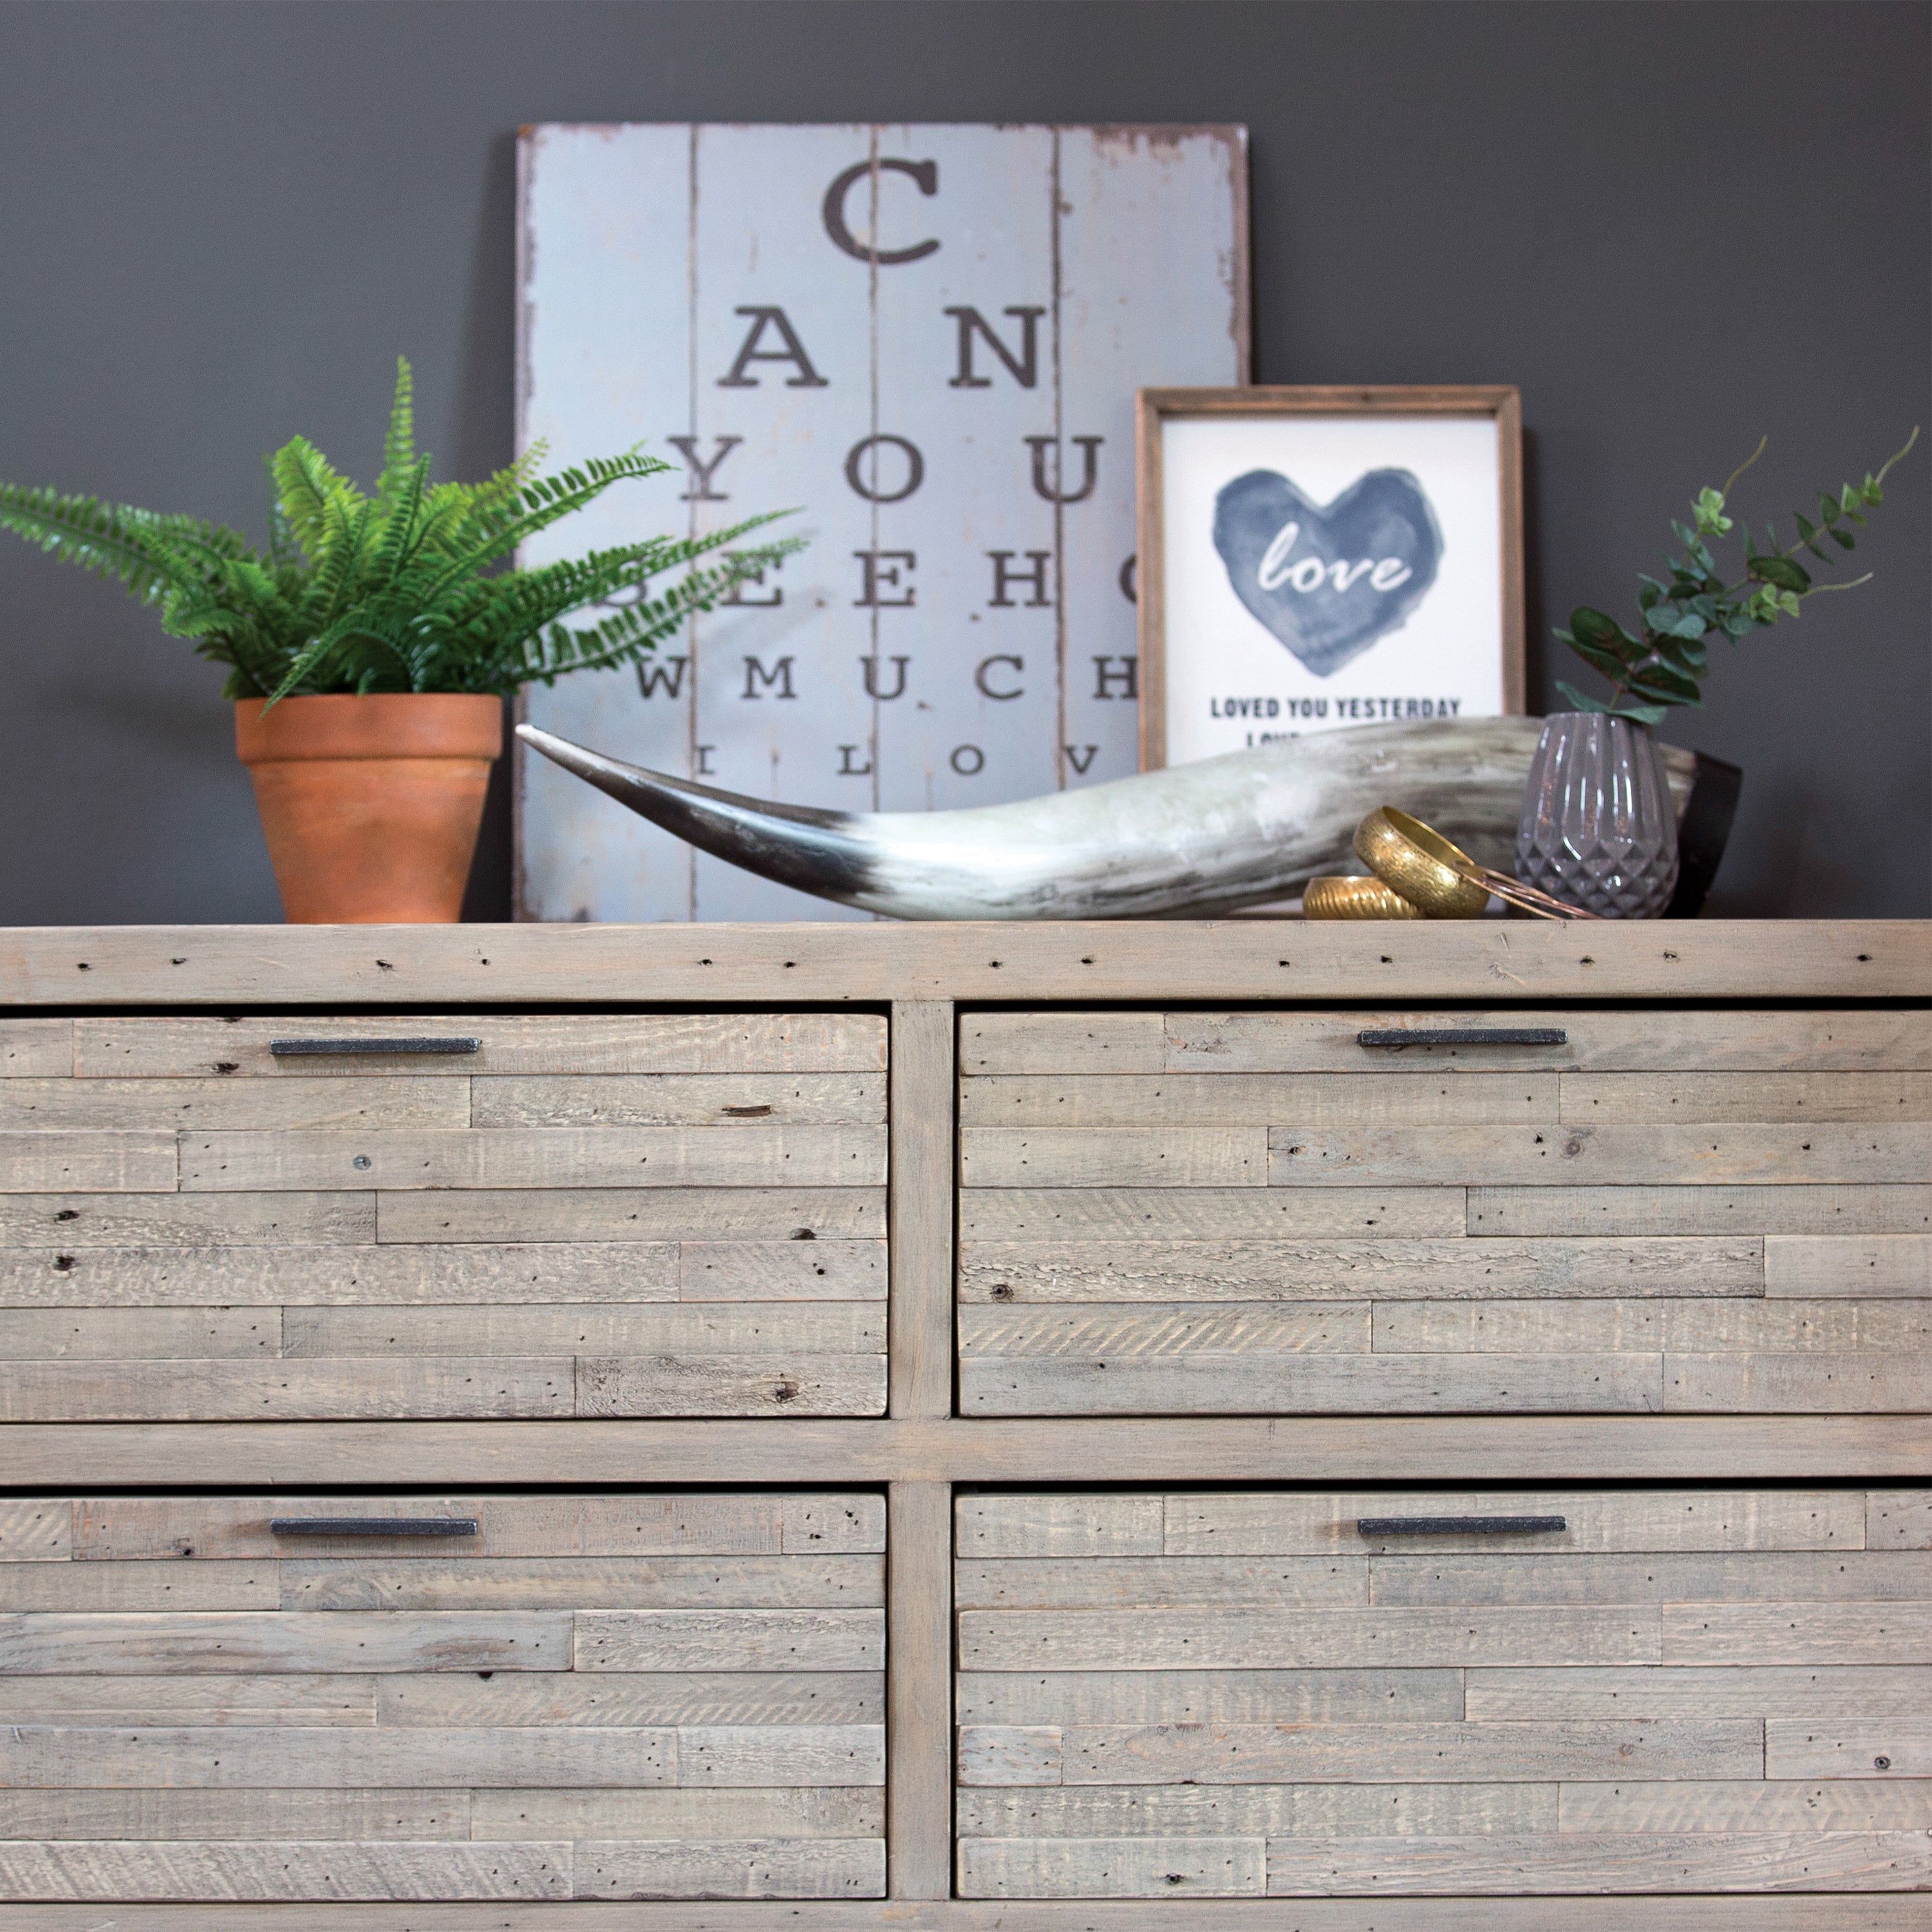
[[1506, 961]]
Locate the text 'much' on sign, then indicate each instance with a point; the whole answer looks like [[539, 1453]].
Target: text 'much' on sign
[[927, 340]]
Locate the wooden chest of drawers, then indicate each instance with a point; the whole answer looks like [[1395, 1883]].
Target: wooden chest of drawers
[[479, 1696], [946, 1412]]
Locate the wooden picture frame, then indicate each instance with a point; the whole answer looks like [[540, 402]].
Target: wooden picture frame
[[1158, 569]]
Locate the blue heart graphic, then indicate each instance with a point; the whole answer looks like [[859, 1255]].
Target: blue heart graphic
[[1328, 580]]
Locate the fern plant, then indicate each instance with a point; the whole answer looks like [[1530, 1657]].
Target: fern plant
[[1666, 663], [393, 591]]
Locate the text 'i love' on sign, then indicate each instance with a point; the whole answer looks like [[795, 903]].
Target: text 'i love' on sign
[[924, 340]]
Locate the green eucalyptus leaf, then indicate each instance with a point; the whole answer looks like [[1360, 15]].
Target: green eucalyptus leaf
[[1639, 714], [1611, 664], [1578, 700], [1593, 627], [1781, 571], [1647, 597], [1844, 540], [1829, 508]]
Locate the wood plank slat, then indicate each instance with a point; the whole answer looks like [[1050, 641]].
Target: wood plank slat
[[377, 1582], [1899, 1746], [72, 1221], [1059, 1698], [766, 1754], [1799, 1632], [139, 1334], [193, 1700], [1233, 1640], [101, 1870], [399, 1102], [36, 1049], [1468, 1268], [1806, 1267], [1271, 1810], [1159, 1583], [187, 1046], [1899, 1518], [1807, 1691], [1825, 1384], [338, 1756], [729, 1868], [1744, 1325], [138, 1644], [1060, 1043], [1565, 1862], [298, 1815], [205, 1391], [88, 1163], [797, 1270], [676, 1099], [1646, 1749], [1120, 1213], [1083, 1868], [1113, 1157], [710, 1811], [1262, 1100], [1654, 1154], [1849, 1576], [582, 1274], [1172, 1329], [516, 1157], [1836, 1805], [653, 1699], [1675, 1097], [784, 1329], [731, 1639], [628, 1214], [918, 1737], [1700, 1209], [1123, 1524], [763, 1384], [35, 1529], [1286, 1384], [111, 1586]]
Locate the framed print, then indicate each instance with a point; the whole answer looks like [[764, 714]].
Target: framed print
[[1313, 558], [926, 340]]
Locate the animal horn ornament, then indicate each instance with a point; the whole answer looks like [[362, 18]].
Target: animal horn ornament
[[1237, 830]]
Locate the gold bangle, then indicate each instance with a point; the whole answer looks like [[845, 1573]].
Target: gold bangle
[[1420, 864], [1355, 898]]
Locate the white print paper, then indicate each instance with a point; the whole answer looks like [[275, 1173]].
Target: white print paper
[[1328, 570]]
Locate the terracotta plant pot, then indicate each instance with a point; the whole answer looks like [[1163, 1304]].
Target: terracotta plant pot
[[371, 805]]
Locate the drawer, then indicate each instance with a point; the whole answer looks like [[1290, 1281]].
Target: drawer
[[1293, 1693], [1675, 1210], [584, 1697], [459, 1216]]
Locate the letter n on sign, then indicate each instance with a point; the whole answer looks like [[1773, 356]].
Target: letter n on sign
[[925, 339]]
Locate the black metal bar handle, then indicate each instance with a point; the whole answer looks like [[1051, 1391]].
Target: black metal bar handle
[[1462, 1036], [374, 1525], [1460, 1525], [296, 1049]]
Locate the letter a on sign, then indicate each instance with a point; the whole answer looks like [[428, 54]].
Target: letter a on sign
[[924, 341]]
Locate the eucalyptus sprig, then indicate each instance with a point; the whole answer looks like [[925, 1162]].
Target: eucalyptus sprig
[[398, 591], [1665, 665]]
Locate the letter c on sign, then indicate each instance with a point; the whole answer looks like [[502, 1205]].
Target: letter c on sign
[[986, 664], [925, 173]]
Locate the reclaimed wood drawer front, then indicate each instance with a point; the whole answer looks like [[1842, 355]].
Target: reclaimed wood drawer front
[[606, 1215], [1667, 1211], [1198, 1694], [587, 1697]]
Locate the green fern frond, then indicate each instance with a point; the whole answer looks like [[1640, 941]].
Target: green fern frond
[[306, 485], [389, 592], [399, 445]]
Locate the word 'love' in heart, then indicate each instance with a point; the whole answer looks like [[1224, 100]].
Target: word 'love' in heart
[[1328, 580]]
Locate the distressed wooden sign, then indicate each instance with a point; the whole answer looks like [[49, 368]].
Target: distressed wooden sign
[[927, 340]]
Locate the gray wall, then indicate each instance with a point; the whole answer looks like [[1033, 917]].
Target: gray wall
[[1676, 226]]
